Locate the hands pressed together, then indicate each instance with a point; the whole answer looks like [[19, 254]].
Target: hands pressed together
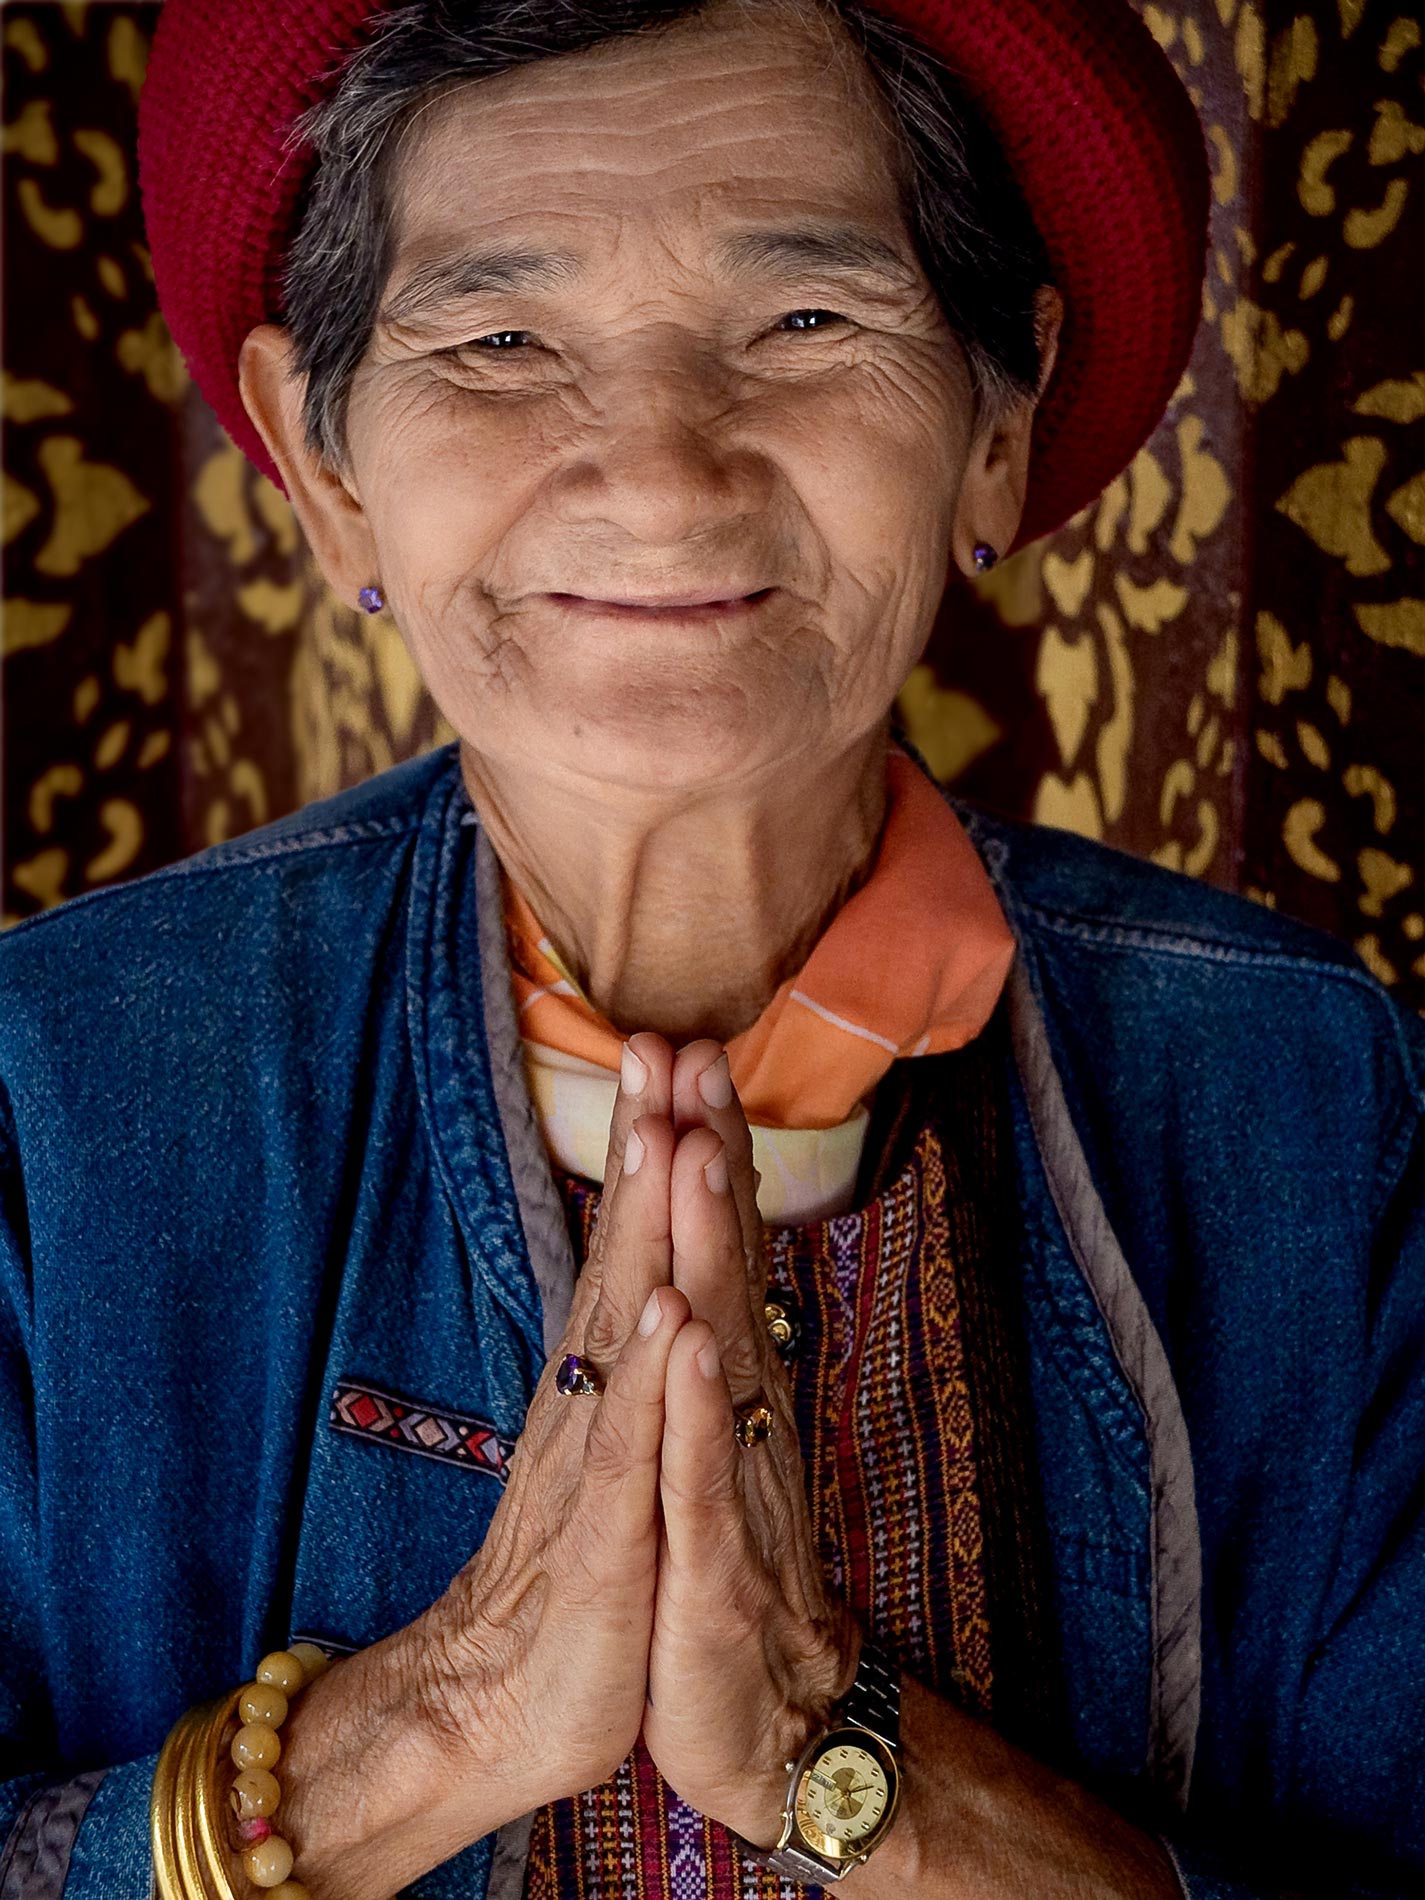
[[644, 1571]]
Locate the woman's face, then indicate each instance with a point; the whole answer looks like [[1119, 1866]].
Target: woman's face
[[595, 376]]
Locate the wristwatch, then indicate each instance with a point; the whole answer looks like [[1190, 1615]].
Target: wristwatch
[[845, 1785]]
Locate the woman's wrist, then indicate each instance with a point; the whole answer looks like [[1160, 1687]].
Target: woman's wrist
[[369, 1802]]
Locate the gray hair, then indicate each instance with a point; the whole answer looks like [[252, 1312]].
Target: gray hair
[[973, 231]]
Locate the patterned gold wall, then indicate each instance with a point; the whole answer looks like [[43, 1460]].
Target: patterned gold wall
[[1220, 664]]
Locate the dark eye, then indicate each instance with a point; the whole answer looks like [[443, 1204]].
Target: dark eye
[[497, 339], [812, 319]]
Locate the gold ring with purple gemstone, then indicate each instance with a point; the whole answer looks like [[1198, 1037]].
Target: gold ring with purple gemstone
[[577, 1378], [752, 1423]]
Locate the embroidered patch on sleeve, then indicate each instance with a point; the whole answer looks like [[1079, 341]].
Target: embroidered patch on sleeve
[[388, 1418]]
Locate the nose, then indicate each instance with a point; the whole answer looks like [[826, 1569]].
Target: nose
[[667, 456]]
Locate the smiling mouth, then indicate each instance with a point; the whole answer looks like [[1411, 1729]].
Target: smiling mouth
[[672, 609]]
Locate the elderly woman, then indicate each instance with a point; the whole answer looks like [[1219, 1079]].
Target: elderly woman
[[646, 1305]]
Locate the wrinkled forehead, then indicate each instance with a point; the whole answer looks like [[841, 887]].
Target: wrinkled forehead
[[756, 113]]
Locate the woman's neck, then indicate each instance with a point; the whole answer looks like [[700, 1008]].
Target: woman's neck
[[683, 912]]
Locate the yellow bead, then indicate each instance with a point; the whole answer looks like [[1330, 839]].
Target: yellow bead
[[268, 1863], [255, 1746], [312, 1659], [254, 1792], [281, 1669], [291, 1890], [260, 1702]]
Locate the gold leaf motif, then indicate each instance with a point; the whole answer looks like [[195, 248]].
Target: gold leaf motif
[[1069, 582], [274, 608], [1071, 807], [1399, 623], [32, 136], [1225, 177], [1313, 277], [1178, 781], [1161, 25], [1261, 352], [124, 824], [1363, 230], [60, 781], [204, 674], [1299, 829], [277, 512], [24, 36], [1338, 697], [1364, 781], [1278, 261], [94, 503], [1285, 668], [1207, 742], [1222, 670], [111, 189], [1293, 63], [1206, 492], [112, 278], [1350, 11], [221, 502], [1317, 197], [1331, 503], [29, 400], [1407, 506], [56, 226], [42, 876], [1112, 506], [1202, 853], [1395, 399], [86, 698], [1066, 679], [1339, 321], [139, 668], [1116, 732], [1403, 38], [1393, 136], [247, 782], [85, 321], [152, 354], [1272, 750], [1250, 50], [1313, 745], [1193, 41], [18, 509], [948, 728], [1151, 493], [1383, 878], [1375, 959], [33, 623], [1414, 927], [128, 54], [1149, 608], [110, 748], [154, 747]]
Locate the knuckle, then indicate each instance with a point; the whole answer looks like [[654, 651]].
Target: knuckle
[[602, 1331]]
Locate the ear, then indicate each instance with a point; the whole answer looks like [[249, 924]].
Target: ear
[[991, 500], [324, 498]]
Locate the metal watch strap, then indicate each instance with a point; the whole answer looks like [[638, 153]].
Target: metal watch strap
[[874, 1699]]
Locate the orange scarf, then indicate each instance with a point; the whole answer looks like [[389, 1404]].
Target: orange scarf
[[912, 964]]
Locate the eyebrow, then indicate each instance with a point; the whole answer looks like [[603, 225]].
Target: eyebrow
[[844, 250]]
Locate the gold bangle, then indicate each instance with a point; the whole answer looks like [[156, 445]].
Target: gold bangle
[[188, 1823]]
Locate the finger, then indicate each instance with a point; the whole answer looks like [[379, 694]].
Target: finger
[[629, 1253], [704, 1517], [622, 1462], [708, 1262], [703, 1094]]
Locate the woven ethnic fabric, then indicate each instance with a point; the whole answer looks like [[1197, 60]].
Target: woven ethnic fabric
[[910, 1397]]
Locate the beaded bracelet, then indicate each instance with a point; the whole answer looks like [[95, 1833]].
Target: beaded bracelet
[[191, 1850]]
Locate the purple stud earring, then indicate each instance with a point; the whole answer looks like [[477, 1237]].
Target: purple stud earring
[[985, 556], [370, 598]]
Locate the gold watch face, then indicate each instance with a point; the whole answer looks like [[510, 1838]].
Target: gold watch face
[[845, 1798]]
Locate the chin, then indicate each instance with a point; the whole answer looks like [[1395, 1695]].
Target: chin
[[649, 740]]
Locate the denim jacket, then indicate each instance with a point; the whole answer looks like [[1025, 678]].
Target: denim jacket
[[281, 1258]]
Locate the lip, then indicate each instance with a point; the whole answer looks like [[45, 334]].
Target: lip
[[702, 604]]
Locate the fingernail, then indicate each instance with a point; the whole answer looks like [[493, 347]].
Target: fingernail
[[633, 1152], [715, 1173], [633, 1072], [715, 1083], [648, 1319], [708, 1360]]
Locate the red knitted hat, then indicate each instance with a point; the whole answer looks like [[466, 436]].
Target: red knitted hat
[[1091, 115]]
